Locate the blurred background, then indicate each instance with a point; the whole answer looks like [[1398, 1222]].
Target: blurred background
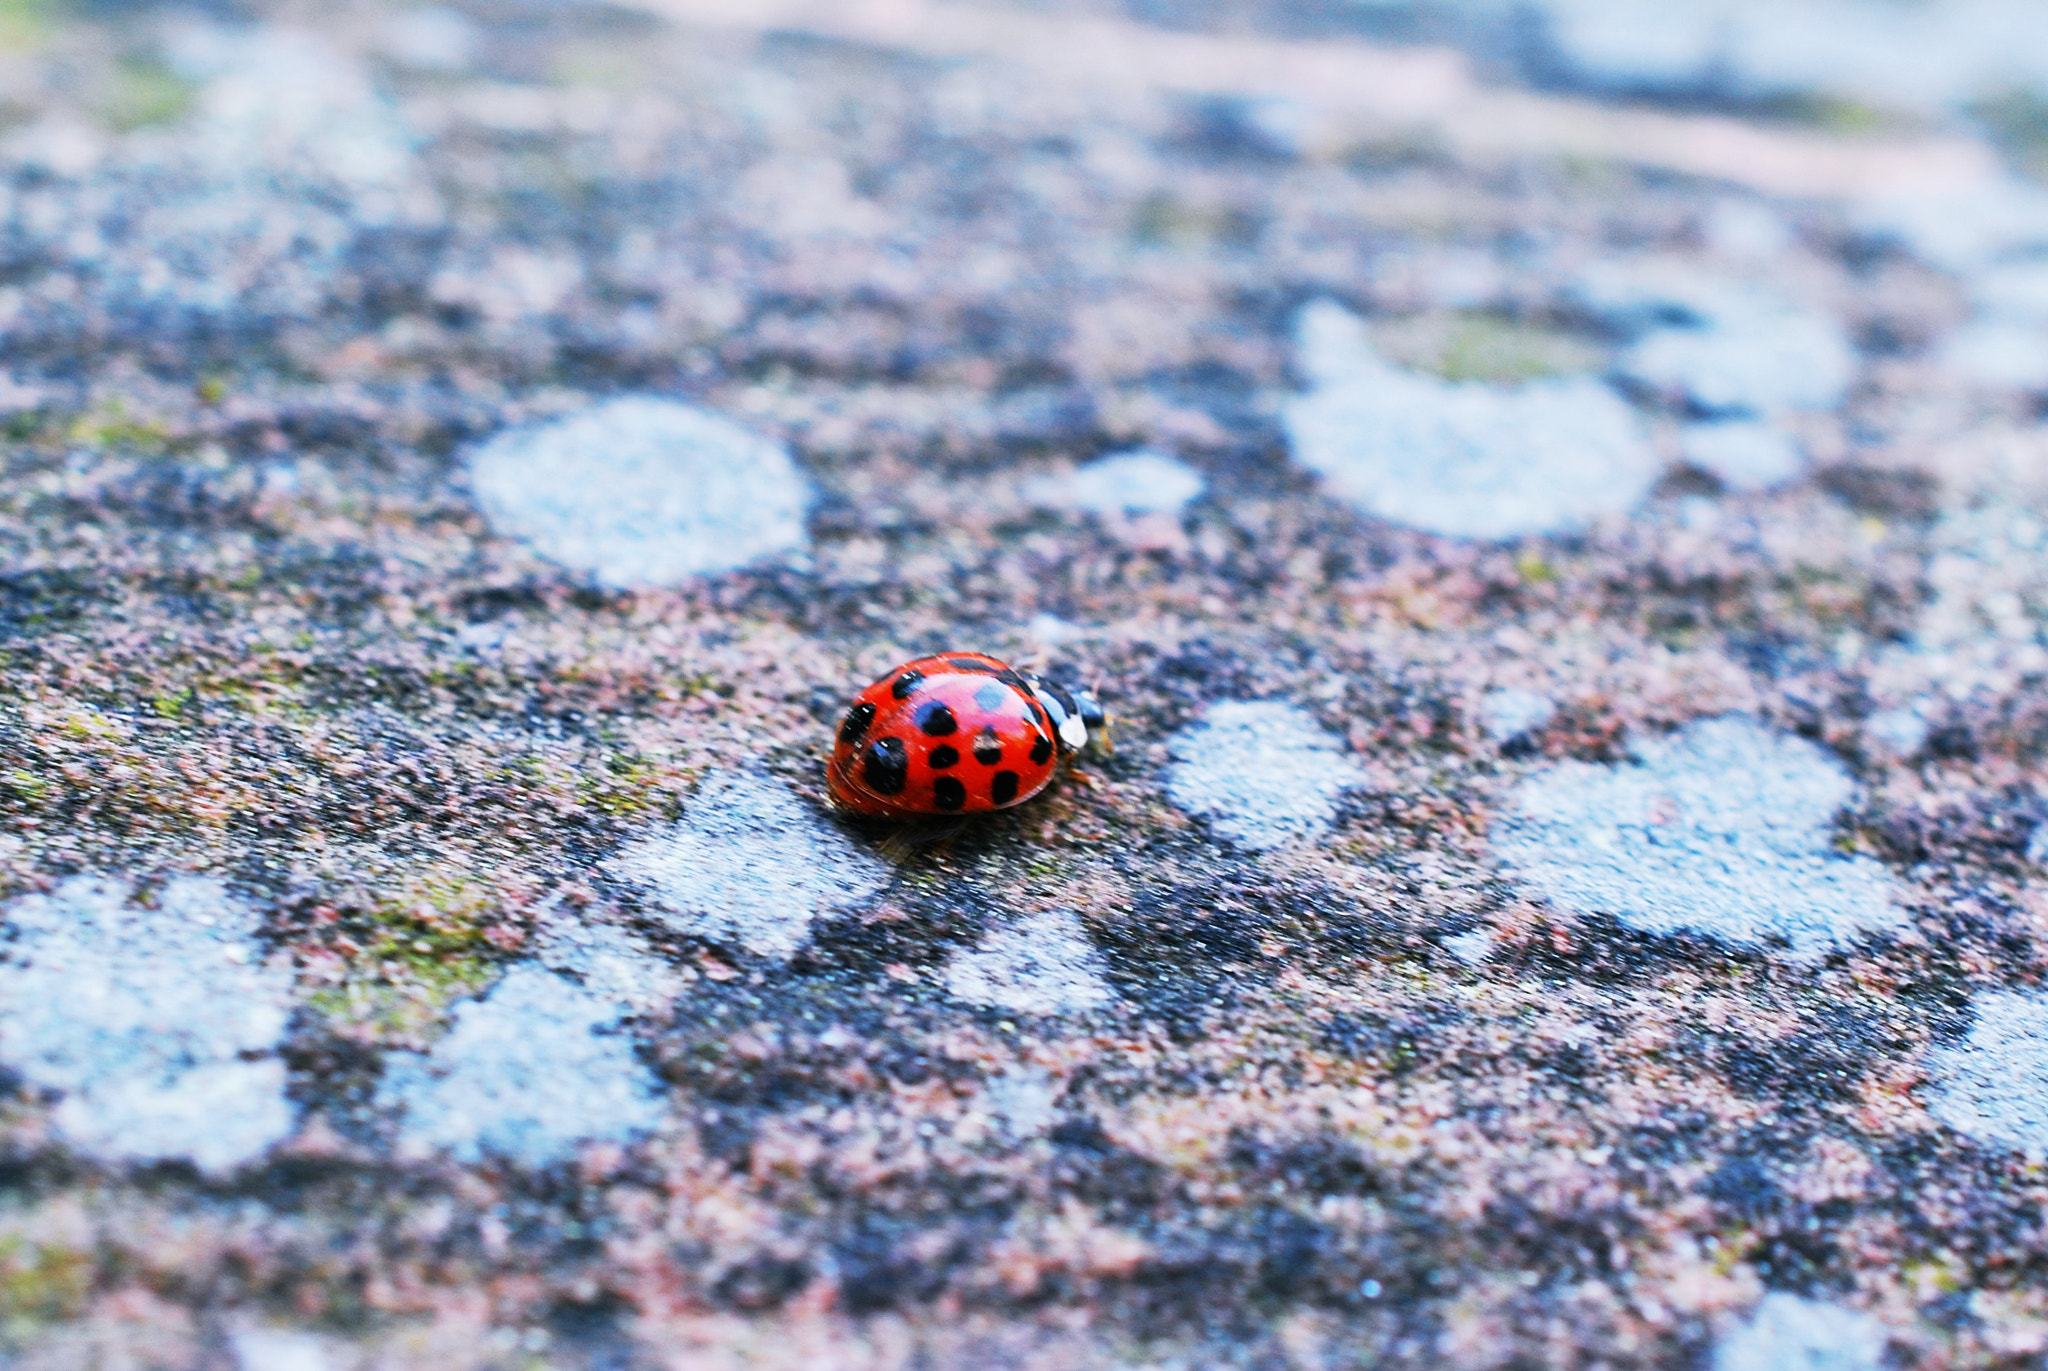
[[1554, 493]]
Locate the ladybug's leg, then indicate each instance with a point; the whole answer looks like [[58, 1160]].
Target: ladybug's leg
[[912, 840]]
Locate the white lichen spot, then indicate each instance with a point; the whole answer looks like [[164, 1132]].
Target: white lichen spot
[[2013, 290], [1508, 714], [1966, 230], [1469, 460], [1725, 346], [1743, 455], [260, 1348], [1023, 1100], [432, 39], [1262, 772], [1054, 631], [1993, 1085], [749, 864], [526, 1073], [1722, 828], [1998, 353], [1140, 482], [2006, 345], [1986, 624], [643, 491], [1471, 947], [610, 962], [1918, 57], [1787, 1333], [1753, 355], [1901, 731], [282, 102], [1746, 231], [158, 1024], [1041, 964]]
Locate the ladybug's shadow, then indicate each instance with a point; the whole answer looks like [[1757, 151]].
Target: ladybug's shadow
[[903, 844], [908, 844]]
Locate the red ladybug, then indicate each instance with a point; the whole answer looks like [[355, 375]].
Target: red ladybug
[[958, 733]]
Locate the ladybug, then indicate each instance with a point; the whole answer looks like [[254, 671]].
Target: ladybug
[[958, 733]]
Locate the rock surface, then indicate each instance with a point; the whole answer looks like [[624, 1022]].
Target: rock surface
[[1558, 526]]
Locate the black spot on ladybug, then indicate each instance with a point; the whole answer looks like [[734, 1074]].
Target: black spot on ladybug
[[1010, 677], [886, 767], [1043, 718], [1041, 749], [969, 664], [948, 793], [988, 748], [936, 720], [991, 697], [1005, 788], [855, 726], [943, 756], [907, 682]]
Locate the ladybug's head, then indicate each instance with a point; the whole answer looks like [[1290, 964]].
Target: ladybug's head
[[1077, 715]]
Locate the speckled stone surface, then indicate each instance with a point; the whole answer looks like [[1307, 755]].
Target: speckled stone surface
[[1554, 504]]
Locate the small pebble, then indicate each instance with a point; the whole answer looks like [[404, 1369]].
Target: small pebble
[[1722, 828], [1464, 459], [1040, 964], [1788, 1333], [643, 491], [1743, 455], [749, 864], [161, 1043], [1263, 773], [525, 1073]]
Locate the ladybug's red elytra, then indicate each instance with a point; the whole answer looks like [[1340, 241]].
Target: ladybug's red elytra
[[958, 733]]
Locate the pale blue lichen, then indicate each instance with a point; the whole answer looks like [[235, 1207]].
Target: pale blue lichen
[[1042, 963], [748, 863], [1470, 459], [643, 491], [526, 1073], [1723, 828], [1261, 772], [157, 1025]]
